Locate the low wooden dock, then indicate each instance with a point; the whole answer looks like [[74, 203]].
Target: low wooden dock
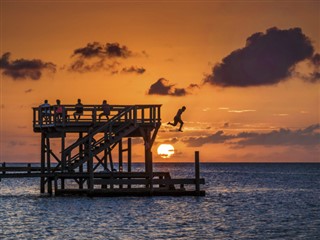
[[76, 169], [111, 183]]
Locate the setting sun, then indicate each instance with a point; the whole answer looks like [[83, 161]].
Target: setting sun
[[165, 150]]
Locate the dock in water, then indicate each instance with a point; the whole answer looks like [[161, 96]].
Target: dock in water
[[76, 169]]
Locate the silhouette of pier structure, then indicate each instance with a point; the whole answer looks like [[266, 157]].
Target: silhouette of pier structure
[[83, 162]]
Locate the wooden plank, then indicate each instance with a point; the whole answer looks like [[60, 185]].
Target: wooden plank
[[129, 192]]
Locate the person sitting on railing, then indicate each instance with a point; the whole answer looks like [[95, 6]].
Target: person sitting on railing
[[59, 111], [79, 110], [45, 111], [105, 110]]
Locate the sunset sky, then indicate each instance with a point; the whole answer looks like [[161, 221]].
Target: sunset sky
[[247, 71]]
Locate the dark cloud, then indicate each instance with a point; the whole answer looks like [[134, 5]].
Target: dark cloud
[[267, 59], [115, 50], [94, 49], [316, 59], [160, 87], [284, 137], [193, 85], [21, 69], [315, 75], [133, 69], [109, 50], [309, 136], [97, 56], [83, 66], [218, 137], [163, 87]]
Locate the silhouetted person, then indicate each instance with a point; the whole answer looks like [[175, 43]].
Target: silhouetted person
[[45, 110], [177, 119], [105, 110], [59, 111], [79, 110]]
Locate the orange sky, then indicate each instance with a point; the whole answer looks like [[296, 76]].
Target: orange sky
[[178, 41]]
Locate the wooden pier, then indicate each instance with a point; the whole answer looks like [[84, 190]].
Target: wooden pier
[[86, 166]]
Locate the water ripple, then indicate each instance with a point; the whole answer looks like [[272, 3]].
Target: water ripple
[[242, 202]]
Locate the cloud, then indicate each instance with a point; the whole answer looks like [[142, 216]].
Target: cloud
[[106, 57], [309, 136], [268, 58], [133, 69], [218, 137], [109, 50], [163, 87], [285, 137], [315, 62], [83, 66], [237, 110], [22, 69], [241, 111], [28, 90]]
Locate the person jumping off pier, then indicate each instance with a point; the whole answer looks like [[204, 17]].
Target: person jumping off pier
[[177, 119]]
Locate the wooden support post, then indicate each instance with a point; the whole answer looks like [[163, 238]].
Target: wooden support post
[[55, 185], [120, 155], [105, 157], [90, 166], [49, 180], [94, 115], [110, 159], [29, 167], [4, 167], [150, 170], [43, 162], [197, 172], [63, 159], [120, 158], [129, 158], [81, 166], [129, 154]]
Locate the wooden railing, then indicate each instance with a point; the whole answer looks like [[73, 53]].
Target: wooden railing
[[47, 117]]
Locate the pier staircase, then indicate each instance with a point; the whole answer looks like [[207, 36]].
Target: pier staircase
[[113, 131]]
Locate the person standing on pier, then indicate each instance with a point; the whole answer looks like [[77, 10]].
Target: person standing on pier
[[45, 111], [59, 110], [105, 110], [177, 119]]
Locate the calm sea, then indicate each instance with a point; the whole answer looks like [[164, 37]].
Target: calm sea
[[243, 201]]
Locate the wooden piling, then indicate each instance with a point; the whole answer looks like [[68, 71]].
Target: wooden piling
[[197, 172], [81, 166], [129, 155], [49, 182], [63, 159], [43, 159]]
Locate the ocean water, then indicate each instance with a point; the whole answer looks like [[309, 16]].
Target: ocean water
[[243, 201]]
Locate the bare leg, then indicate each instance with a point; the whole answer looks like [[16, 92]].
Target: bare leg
[[181, 124]]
